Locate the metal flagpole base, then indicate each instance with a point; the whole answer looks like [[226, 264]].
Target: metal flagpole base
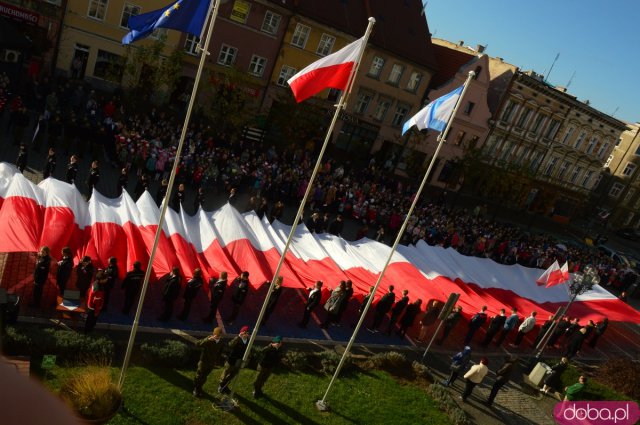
[[226, 403], [322, 406]]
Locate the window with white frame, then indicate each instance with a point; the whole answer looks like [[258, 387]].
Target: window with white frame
[[580, 139], [414, 81], [504, 150], [191, 44], [603, 149], [616, 190], [109, 66], [257, 65], [537, 123], [550, 166], [535, 160], [376, 66], [286, 72], [629, 169], [567, 135], [552, 129], [563, 168], [227, 56], [400, 115], [381, 109], [575, 174], [271, 22], [128, 11], [396, 73], [586, 179], [508, 111], [97, 9], [326, 44], [364, 98], [592, 143], [524, 117], [300, 36]]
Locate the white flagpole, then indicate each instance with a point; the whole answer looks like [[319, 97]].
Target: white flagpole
[[165, 203], [321, 404], [341, 105]]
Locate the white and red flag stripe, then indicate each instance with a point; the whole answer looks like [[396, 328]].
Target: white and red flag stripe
[[330, 72]]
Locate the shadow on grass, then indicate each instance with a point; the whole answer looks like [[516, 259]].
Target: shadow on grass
[[176, 379], [126, 413], [265, 415], [290, 412]]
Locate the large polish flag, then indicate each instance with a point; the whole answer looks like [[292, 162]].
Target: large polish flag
[[330, 72]]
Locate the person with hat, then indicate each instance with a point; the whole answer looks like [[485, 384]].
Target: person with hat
[[212, 348], [217, 288], [502, 377], [84, 273], [240, 291], [270, 357], [232, 366]]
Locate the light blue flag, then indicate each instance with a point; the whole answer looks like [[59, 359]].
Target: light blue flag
[[436, 114]]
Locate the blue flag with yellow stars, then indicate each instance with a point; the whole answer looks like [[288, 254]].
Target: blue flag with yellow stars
[[182, 15]]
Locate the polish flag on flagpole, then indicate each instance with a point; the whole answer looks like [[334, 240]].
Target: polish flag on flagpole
[[551, 276], [564, 276], [332, 71]]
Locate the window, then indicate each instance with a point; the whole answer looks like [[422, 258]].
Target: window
[[108, 66], [587, 178], [414, 81], [550, 166], [400, 115], [628, 196], [240, 11], [580, 139], [376, 67], [286, 72], [468, 108], [619, 141], [616, 190], [300, 36], [563, 169], [535, 160], [565, 139], [460, 137], [227, 55], [552, 130], [629, 169], [537, 124], [508, 111], [575, 174], [598, 180], [524, 117], [381, 109], [591, 145], [128, 11], [191, 44], [364, 98], [97, 9], [325, 45], [603, 149], [271, 22], [334, 95], [396, 74], [504, 149], [257, 65]]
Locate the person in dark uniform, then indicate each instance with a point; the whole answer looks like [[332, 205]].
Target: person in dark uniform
[[170, 293], [162, 191], [190, 292], [212, 348], [198, 201], [397, 309], [601, 327], [475, 323], [40, 274], [178, 198], [217, 289], [575, 344], [313, 300], [131, 284], [111, 274], [450, 322], [21, 161], [141, 185], [273, 299], [84, 273], [123, 180], [348, 293], [72, 170], [63, 273], [562, 326], [240, 290], [382, 308], [409, 317], [232, 366], [50, 165], [502, 377], [271, 355], [495, 324], [336, 226], [93, 178]]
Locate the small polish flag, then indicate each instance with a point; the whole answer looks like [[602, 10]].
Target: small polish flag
[[564, 276], [551, 276], [332, 71]]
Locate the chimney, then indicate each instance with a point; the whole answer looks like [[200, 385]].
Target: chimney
[[461, 43], [480, 48]]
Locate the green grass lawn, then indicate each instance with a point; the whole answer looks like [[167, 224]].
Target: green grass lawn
[[163, 396]]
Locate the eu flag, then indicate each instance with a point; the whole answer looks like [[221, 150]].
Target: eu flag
[[182, 15]]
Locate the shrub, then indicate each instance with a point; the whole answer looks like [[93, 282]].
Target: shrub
[[91, 393], [594, 389], [421, 371], [17, 343], [329, 361], [169, 353], [389, 360], [446, 403], [295, 360]]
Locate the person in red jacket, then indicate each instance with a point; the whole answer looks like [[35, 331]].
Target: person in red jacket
[[95, 301]]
